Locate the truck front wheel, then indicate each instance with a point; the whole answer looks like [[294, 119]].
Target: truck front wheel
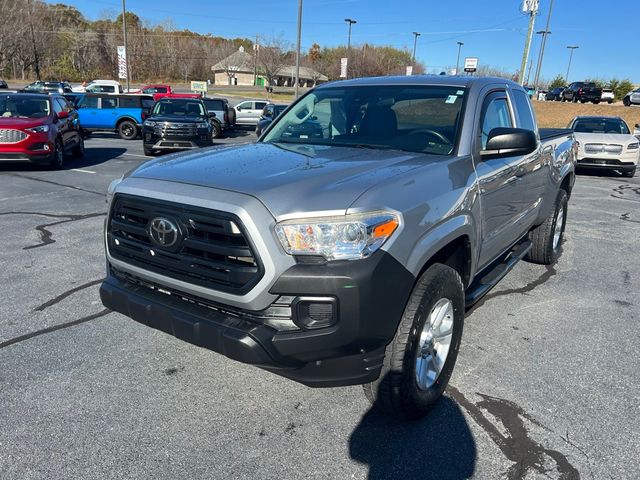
[[420, 359], [547, 238]]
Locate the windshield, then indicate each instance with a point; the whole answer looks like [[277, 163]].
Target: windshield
[[422, 119], [185, 109], [601, 125], [12, 106]]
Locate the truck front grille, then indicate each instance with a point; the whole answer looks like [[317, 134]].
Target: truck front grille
[[211, 249], [603, 148], [11, 136], [176, 130]]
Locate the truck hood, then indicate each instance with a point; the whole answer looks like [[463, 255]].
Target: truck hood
[[607, 138], [287, 179]]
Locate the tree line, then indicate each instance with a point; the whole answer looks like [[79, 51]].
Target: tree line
[[56, 42]]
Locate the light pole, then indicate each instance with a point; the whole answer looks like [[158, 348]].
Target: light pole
[[460, 44], [545, 33], [572, 48], [415, 43], [350, 21], [298, 47], [124, 34]]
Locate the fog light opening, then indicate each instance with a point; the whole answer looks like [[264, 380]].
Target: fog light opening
[[311, 313]]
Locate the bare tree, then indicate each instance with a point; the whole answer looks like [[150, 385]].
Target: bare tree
[[273, 57]]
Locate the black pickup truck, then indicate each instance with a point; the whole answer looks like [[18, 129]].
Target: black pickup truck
[[582, 92]]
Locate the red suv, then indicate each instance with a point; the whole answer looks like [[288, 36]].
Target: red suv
[[38, 128]]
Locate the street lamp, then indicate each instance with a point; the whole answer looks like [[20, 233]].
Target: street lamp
[[544, 34], [298, 47], [572, 48], [460, 44], [415, 42], [350, 21]]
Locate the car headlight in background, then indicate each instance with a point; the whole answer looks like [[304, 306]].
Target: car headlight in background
[[348, 237], [202, 125], [633, 146], [151, 123], [40, 129]]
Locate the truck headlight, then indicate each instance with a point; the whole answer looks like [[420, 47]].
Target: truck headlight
[[112, 188], [347, 237], [151, 123], [202, 125]]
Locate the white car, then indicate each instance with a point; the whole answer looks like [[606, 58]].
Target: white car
[[607, 143], [100, 86], [607, 96], [249, 111], [632, 98]]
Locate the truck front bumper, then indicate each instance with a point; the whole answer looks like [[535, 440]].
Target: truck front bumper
[[370, 296]]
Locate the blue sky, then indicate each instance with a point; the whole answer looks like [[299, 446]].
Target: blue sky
[[492, 30]]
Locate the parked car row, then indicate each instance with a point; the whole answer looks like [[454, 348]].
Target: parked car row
[[589, 92]]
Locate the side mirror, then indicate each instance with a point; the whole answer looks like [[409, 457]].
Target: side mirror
[[268, 114], [239, 108], [63, 114], [637, 125], [212, 114], [509, 142]]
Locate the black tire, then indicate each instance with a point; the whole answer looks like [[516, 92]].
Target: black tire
[[545, 250], [626, 102], [609, 102], [396, 391], [78, 150], [216, 130], [629, 173], [149, 152], [127, 130], [57, 156], [596, 102]]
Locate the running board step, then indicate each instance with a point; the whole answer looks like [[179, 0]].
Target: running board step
[[490, 277]]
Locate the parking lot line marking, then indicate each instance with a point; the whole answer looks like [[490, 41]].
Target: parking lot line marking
[[81, 170]]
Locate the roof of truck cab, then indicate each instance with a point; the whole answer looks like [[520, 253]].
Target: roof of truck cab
[[426, 80]]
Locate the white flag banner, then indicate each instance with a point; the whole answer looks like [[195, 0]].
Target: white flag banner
[[122, 62], [343, 67], [409, 70]]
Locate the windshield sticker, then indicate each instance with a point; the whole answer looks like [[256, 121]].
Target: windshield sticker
[[451, 99], [460, 92]]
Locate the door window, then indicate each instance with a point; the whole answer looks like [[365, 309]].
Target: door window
[[89, 102], [109, 103], [57, 107], [129, 102], [260, 105], [244, 106], [496, 115]]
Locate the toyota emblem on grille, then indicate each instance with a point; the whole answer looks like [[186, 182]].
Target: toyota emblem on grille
[[163, 232]]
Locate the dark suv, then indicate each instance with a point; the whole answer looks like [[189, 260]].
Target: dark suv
[[38, 128], [177, 124], [582, 92]]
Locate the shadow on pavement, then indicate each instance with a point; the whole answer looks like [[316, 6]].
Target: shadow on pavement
[[93, 156], [441, 446], [598, 172]]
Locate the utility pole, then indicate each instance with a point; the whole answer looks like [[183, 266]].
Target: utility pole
[[460, 44], [350, 21], [415, 43], [298, 47], [255, 62], [572, 48], [36, 58], [527, 44], [124, 34], [545, 33]]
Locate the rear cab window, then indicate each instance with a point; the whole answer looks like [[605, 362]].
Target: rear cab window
[[88, 102], [524, 113]]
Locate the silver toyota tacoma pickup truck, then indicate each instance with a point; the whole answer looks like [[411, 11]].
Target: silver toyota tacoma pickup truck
[[345, 246]]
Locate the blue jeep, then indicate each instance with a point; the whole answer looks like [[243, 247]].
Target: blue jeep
[[121, 113]]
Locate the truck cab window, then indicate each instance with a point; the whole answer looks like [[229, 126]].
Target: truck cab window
[[496, 115]]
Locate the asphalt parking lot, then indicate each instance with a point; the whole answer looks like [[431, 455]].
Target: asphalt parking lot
[[546, 385]]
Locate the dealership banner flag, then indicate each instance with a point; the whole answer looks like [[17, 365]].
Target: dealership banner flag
[[122, 62]]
